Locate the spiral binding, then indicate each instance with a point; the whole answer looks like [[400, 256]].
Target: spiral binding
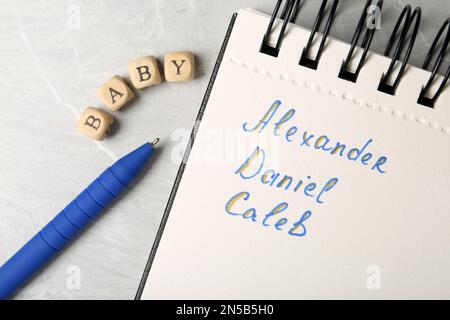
[[288, 15], [344, 73], [407, 18], [305, 59], [403, 38], [423, 97]]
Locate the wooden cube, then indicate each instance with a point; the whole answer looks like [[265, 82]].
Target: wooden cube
[[95, 123], [179, 66], [115, 93], [144, 72]]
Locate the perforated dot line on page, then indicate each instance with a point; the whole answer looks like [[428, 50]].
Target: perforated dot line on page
[[341, 95]]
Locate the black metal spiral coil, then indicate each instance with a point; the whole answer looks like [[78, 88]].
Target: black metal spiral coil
[[288, 15], [306, 60], [407, 18], [401, 42], [363, 24], [424, 99]]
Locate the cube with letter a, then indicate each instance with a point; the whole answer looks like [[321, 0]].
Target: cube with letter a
[[115, 93]]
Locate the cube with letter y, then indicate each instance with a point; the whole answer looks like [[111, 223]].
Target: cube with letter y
[[95, 123], [115, 93], [179, 66]]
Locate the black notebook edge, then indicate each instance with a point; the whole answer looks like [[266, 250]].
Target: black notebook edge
[[180, 172]]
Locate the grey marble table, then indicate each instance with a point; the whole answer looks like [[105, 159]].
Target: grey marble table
[[53, 57]]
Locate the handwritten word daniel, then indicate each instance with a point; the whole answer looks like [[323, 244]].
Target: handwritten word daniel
[[253, 166], [322, 143]]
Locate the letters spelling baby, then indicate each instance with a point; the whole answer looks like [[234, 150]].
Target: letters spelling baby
[[116, 93]]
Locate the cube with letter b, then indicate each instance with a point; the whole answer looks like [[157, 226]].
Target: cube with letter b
[[144, 72], [95, 123], [115, 93], [179, 66]]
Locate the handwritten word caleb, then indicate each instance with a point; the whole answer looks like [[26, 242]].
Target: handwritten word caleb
[[270, 219], [316, 142]]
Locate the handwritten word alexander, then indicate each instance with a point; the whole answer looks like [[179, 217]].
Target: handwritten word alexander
[[307, 139]]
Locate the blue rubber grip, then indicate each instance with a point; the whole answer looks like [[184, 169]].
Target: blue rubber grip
[[71, 221]]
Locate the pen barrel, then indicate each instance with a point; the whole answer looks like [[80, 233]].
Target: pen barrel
[[72, 220], [60, 231]]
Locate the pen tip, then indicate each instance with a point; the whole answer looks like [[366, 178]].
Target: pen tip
[[155, 142]]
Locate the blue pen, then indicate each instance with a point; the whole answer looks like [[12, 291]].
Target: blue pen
[[72, 220]]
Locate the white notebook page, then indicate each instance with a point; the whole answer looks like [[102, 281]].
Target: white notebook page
[[369, 223]]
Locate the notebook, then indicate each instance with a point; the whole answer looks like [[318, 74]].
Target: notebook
[[301, 184]]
